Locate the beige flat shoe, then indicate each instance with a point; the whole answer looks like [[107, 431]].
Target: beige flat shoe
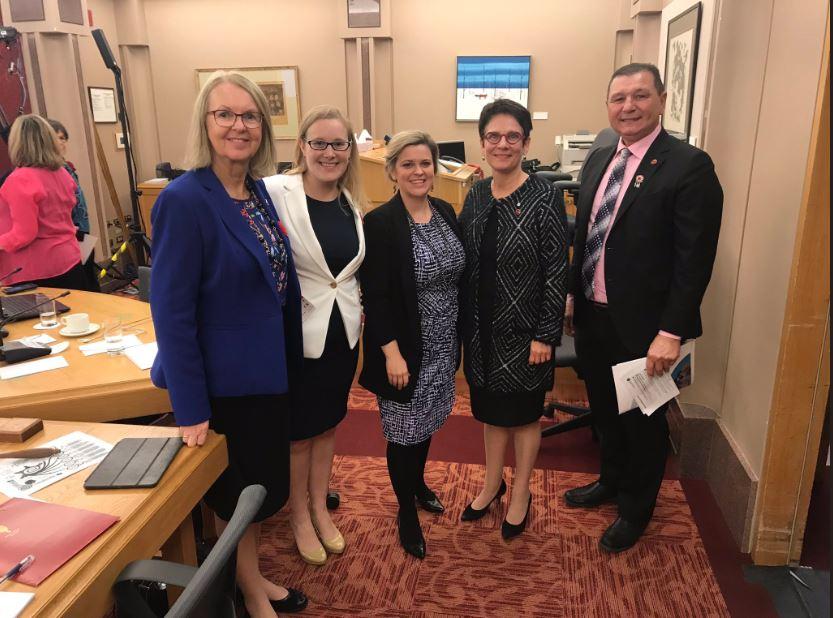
[[335, 545], [316, 557]]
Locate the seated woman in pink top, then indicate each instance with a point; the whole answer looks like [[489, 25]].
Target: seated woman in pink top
[[36, 201]]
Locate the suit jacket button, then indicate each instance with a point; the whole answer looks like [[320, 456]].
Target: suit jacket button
[[334, 285]]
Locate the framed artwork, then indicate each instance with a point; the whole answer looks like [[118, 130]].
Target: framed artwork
[[680, 69], [482, 79], [103, 105], [280, 87], [364, 13]]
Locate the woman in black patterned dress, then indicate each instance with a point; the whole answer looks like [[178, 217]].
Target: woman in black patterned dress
[[410, 284], [514, 231]]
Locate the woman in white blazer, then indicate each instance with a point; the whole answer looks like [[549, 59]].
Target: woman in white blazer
[[320, 201]]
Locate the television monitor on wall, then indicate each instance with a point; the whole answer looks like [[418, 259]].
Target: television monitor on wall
[[482, 79]]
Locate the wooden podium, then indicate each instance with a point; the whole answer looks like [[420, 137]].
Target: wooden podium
[[379, 188], [150, 191]]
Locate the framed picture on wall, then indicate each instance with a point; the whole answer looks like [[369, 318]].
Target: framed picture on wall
[[280, 87], [482, 79], [364, 13], [103, 105], [680, 69]]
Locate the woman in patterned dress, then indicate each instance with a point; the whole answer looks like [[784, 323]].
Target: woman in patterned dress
[[514, 231], [226, 307], [410, 284]]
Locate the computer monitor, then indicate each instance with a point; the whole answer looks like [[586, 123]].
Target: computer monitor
[[453, 150]]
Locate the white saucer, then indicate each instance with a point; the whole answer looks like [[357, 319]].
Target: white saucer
[[59, 347], [71, 333], [42, 327]]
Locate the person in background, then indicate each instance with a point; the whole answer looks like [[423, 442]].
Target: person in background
[[515, 234], [320, 201], [80, 216], [410, 286], [226, 306], [647, 224], [36, 201]]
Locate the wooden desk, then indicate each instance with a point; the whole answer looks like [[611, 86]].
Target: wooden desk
[[379, 188], [92, 388], [151, 519], [150, 191]]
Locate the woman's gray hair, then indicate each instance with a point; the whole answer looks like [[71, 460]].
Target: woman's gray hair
[[402, 140], [198, 150]]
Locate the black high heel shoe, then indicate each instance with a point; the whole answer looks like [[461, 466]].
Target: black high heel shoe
[[473, 514], [410, 535], [429, 501], [508, 530]]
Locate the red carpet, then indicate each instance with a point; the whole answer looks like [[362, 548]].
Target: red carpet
[[554, 569]]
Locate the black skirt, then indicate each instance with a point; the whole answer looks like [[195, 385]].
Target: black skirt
[[319, 403], [506, 409], [256, 428]]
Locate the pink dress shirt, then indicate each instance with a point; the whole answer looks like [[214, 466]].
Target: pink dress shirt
[[36, 229], [638, 150]]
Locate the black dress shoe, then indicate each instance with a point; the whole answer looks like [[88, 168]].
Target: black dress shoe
[[410, 535], [590, 495], [508, 530], [428, 500], [295, 601], [473, 514], [621, 535]]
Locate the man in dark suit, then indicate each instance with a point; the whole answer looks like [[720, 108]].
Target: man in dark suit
[[647, 224]]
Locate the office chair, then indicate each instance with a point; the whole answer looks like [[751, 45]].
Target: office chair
[[565, 354], [552, 175], [208, 591]]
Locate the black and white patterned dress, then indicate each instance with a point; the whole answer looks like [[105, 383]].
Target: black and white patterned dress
[[439, 262]]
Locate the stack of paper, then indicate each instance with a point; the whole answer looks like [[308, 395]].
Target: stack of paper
[[100, 347], [35, 366], [636, 389]]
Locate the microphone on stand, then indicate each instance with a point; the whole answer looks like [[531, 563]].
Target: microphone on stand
[[9, 318], [7, 275]]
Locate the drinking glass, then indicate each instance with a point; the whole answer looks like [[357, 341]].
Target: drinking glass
[[48, 315], [113, 336]]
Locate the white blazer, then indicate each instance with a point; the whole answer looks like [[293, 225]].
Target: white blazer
[[319, 287]]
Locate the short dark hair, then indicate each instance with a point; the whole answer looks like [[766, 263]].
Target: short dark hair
[[639, 67], [58, 127], [508, 107]]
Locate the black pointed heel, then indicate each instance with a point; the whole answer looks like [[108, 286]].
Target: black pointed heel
[[473, 514]]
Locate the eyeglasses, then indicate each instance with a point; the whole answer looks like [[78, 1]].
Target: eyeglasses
[[320, 144], [226, 118], [513, 137]]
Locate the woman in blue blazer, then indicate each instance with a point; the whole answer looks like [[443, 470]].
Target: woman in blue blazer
[[226, 307]]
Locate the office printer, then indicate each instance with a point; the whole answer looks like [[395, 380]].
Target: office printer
[[570, 150]]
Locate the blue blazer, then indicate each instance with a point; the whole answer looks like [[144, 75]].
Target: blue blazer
[[220, 326]]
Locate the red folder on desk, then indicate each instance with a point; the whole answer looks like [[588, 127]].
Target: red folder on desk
[[52, 533]]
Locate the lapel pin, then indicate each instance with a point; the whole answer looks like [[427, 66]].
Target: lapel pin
[[518, 210], [654, 161], [639, 180]]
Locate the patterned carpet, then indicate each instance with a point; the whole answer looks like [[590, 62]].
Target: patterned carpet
[[554, 569]]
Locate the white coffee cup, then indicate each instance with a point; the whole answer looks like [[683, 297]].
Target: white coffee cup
[[76, 322]]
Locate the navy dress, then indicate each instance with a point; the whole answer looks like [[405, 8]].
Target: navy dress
[[320, 401]]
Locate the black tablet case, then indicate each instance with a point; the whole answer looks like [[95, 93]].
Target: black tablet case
[[134, 462]]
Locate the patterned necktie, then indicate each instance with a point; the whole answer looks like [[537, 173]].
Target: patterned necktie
[[596, 237]]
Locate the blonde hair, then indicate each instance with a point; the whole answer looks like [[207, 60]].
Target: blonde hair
[[33, 143], [351, 180], [402, 140], [198, 151]]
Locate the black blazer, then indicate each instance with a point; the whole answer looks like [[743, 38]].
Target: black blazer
[[389, 295], [662, 244]]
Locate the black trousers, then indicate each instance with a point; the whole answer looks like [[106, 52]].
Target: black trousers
[[634, 446], [76, 278]]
